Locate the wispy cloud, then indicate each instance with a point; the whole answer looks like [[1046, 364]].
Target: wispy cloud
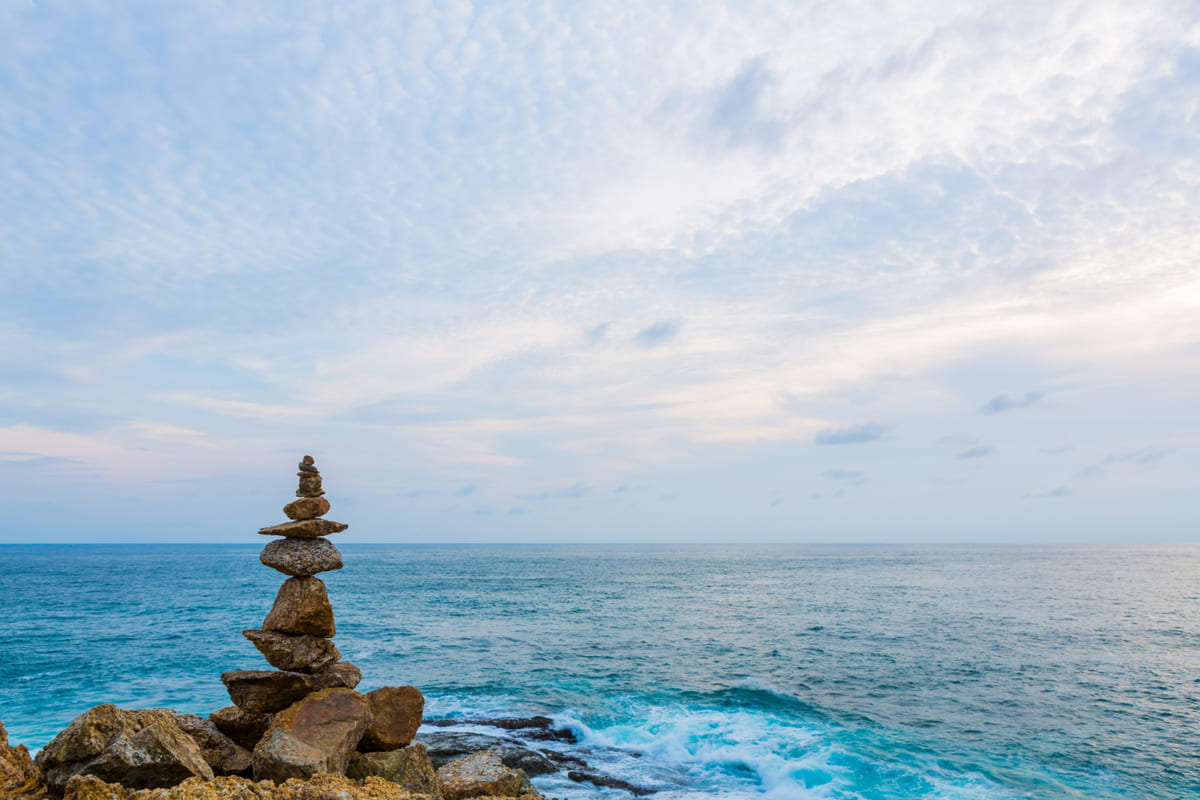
[[658, 333], [856, 434], [978, 451], [573, 492], [1058, 491], [842, 474], [1002, 402]]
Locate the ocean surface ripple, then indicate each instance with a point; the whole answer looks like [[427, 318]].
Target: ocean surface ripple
[[731, 671]]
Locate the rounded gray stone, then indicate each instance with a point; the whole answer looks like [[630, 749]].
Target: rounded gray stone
[[301, 558]]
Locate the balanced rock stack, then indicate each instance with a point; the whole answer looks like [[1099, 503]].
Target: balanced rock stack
[[295, 636], [303, 717]]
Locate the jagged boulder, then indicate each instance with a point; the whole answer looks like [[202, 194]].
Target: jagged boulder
[[223, 754], [317, 734], [409, 767], [242, 727], [19, 778], [481, 774], [396, 713], [137, 749]]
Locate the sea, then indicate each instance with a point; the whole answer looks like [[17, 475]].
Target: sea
[[872, 672]]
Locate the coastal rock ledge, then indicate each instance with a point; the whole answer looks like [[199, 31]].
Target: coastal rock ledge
[[320, 787]]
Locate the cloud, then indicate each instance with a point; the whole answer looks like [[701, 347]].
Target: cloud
[[597, 334], [737, 109], [573, 492], [1143, 457], [842, 474], [467, 490], [658, 333], [1002, 402], [974, 452], [1059, 491], [852, 435]]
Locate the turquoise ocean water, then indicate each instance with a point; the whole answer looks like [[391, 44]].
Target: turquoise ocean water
[[870, 672]]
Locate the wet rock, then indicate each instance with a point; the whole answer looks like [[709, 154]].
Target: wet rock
[[242, 727], [301, 557], [302, 606], [539, 729], [446, 747], [138, 749], [260, 691], [610, 783], [317, 734], [395, 716], [409, 767], [304, 528], [19, 778], [223, 754], [482, 773], [294, 653], [307, 508]]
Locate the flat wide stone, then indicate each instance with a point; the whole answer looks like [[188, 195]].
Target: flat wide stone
[[301, 557], [302, 606], [304, 528], [307, 508], [395, 716], [294, 653], [263, 691], [317, 734]]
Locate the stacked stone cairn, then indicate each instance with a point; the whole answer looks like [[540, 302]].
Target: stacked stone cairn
[[300, 725], [304, 717]]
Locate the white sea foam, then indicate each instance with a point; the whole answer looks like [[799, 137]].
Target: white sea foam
[[752, 754]]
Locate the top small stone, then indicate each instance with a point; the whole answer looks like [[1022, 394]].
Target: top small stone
[[307, 464]]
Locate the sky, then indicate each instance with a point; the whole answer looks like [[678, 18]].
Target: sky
[[601, 271]]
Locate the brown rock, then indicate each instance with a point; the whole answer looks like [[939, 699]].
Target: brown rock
[[307, 508], [302, 606], [260, 691], [482, 773], [89, 787], [317, 734], [409, 767], [304, 528], [395, 716], [310, 485], [19, 778], [294, 653], [307, 464], [223, 754], [263, 691], [301, 557], [242, 727], [320, 787], [341, 675], [137, 749]]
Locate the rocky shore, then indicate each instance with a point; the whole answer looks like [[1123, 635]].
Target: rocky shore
[[298, 731]]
